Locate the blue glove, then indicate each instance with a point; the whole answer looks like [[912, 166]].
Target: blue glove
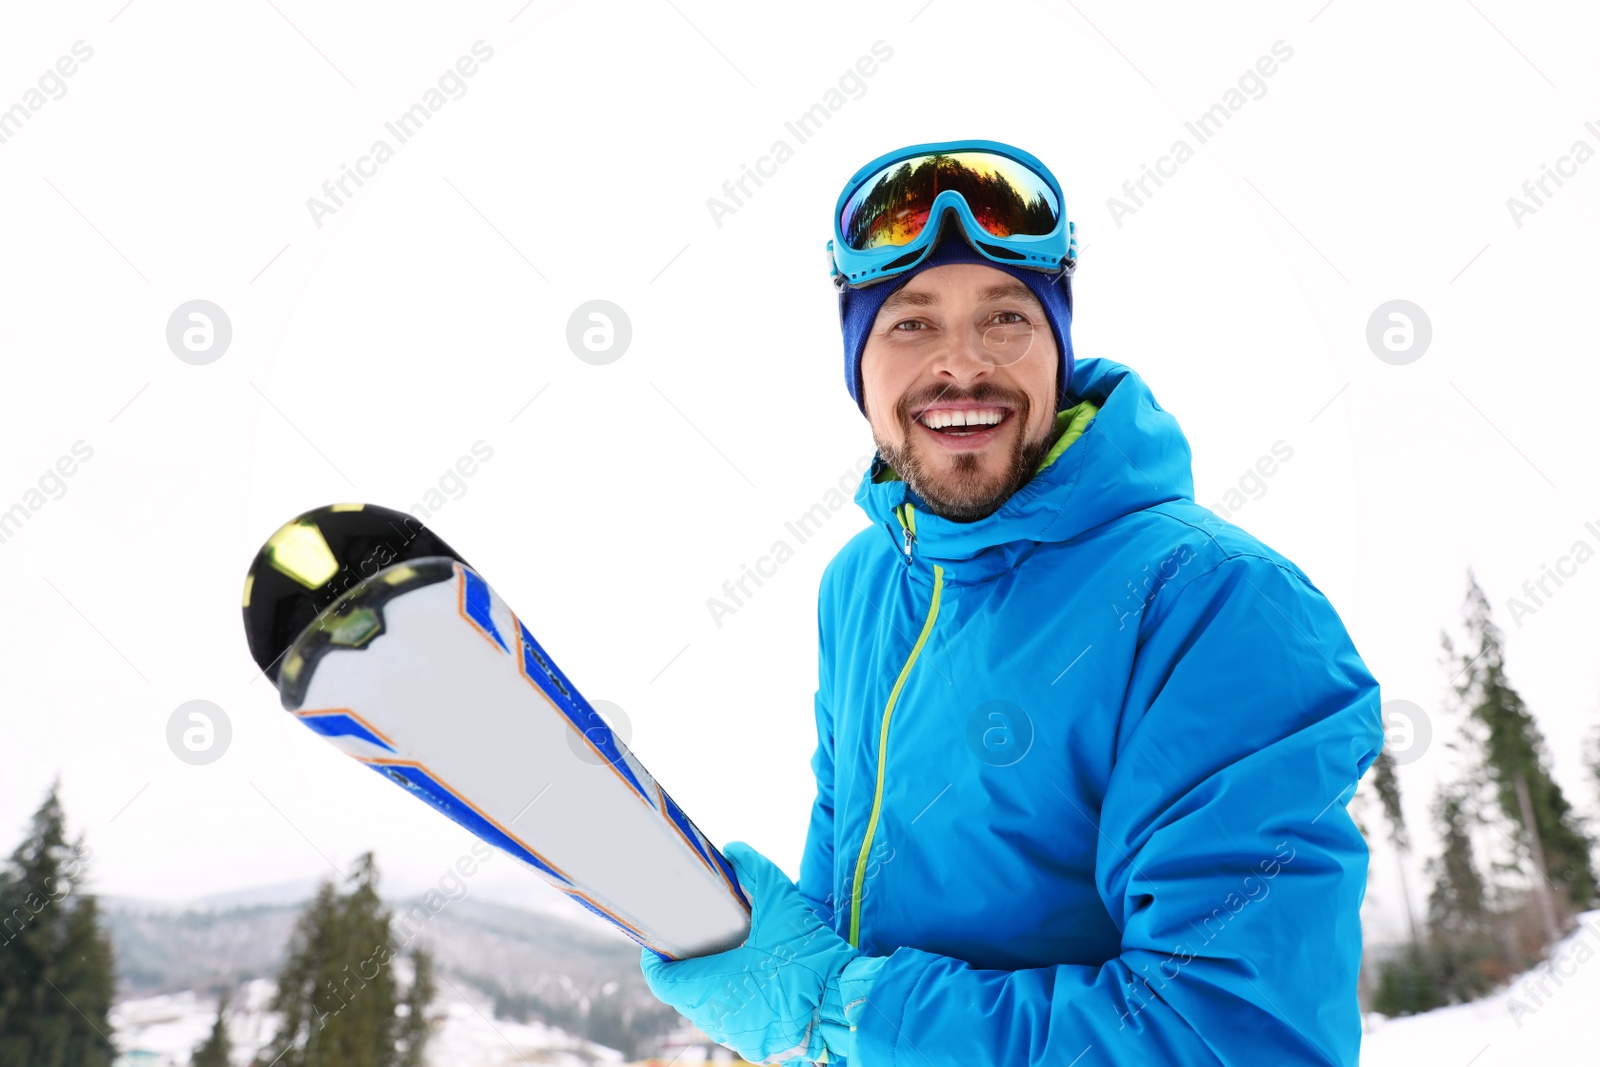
[[781, 996]]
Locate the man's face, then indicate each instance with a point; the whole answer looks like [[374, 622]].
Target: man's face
[[970, 344]]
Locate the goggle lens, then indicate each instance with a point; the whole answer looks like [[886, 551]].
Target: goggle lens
[[892, 207]]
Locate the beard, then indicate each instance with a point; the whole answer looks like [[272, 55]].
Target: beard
[[961, 489]]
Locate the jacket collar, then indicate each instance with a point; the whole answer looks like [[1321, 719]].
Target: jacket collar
[[1117, 452]]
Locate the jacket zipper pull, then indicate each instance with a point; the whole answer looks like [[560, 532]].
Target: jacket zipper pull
[[905, 527]]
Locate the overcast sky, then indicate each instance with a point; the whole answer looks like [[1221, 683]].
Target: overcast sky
[[377, 339]]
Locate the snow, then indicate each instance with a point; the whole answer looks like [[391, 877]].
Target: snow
[[164, 1031], [1547, 1015], [471, 1037]]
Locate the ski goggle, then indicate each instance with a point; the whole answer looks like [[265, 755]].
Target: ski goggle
[[892, 211]]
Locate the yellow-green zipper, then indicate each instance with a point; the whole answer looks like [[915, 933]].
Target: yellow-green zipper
[[907, 521]]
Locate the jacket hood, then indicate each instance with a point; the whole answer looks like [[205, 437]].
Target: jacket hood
[[1130, 455]]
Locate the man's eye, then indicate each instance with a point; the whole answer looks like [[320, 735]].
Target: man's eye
[[1016, 317], [914, 324]]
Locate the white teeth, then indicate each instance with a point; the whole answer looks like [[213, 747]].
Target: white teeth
[[936, 420]]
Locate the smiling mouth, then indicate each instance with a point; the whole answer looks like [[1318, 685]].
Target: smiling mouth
[[962, 422]]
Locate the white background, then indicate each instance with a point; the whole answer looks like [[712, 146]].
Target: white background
[[372, 351]]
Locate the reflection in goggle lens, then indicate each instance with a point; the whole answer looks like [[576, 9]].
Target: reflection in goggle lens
[[892, 207]]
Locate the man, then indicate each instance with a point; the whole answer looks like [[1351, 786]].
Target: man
[[1084, 748]]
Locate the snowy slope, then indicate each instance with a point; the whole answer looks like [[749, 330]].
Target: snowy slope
[[1551, 1015], [162, 1032], [172, 962]]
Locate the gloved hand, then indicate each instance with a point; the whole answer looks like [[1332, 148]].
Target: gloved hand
[[765, 999]]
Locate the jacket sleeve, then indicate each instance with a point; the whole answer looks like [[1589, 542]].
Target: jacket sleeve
[[816, 863], [1225, 855]]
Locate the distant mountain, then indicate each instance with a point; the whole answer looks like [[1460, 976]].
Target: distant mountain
[[295, 892], [535, 967], [170, 951]]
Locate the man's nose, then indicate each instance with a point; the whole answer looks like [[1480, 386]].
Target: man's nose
[[965, 357]]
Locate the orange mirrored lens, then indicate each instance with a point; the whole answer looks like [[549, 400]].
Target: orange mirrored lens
[[892, 207]]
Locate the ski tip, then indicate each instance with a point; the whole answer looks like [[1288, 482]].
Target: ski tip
[[317, 557]]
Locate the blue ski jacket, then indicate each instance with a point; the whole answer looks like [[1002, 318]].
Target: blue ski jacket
[[1082, 769]]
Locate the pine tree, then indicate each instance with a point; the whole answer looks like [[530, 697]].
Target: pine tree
[[1387, 783], [56, 969], [337, 991], [217, 1049], [1516, 763], [1458, 903], [1592, 758], [1459, 962], [414, 1026], [1406, 983], [86, 975]]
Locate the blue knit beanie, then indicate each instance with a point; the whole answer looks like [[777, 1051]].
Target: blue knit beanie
[[858, 309]]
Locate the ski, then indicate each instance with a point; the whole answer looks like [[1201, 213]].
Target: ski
[[385, 641]]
